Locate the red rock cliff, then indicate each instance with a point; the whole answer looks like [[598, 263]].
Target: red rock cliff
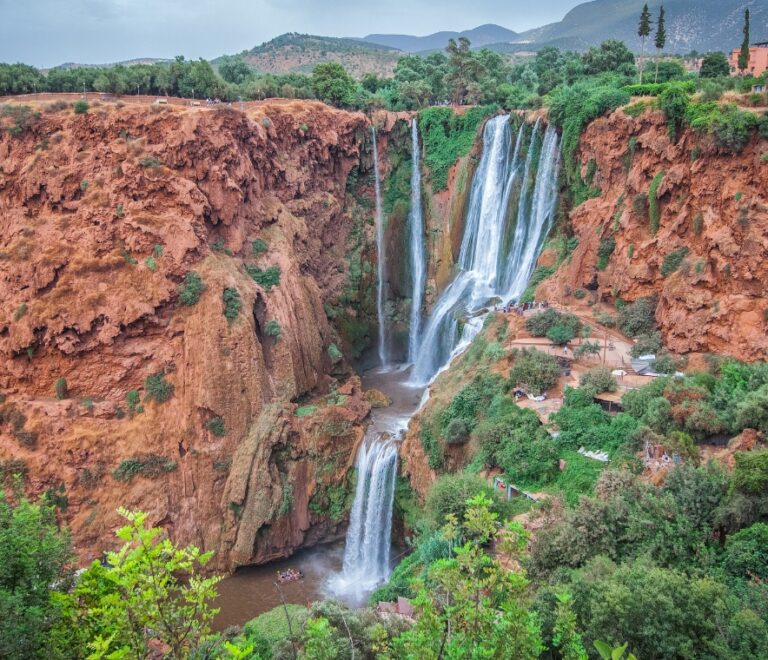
[[101, 217], [712, 203]]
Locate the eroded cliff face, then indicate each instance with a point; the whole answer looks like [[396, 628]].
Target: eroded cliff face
[[101, 217], [713, 209]]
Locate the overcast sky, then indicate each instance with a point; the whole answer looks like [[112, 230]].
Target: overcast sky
[[50, 32]]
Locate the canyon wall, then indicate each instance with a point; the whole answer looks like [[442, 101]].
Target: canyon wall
[[712, 229], [102, 216]]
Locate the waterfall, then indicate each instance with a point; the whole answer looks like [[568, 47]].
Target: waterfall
[[485, 273], [369, 537], [418, 256], [381, 255], [533, 224]]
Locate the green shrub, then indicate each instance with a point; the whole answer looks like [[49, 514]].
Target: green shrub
[[604, 252], [150, 161], [60, 387], [654, 213], [133, 401], [84, 185], [150, 263], [672, 261], [80, 107], [265, 278], [639, 317], [191, 289], [216, 426], [572, 108], [746, 552], [158, 250], [22, 116], [732, 128], [673, 101], [156, 388], [540, 324], [120, 213], [750, 475], [258, 247], [560, 334], [450, 494], [762, 126], [635, 109], [599, 379], [447, 136], [150, 466], [535, 371], [21, 310], [305, 411], [129, 258], [334, 353], [647, 344], [456, 433], [273, 329], [539, 275], [579, 294], [232, 303]]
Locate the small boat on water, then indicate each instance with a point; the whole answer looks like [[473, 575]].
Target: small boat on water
[[289, 575]]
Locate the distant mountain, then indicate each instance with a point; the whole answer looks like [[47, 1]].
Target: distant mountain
[[300, 53], [702, 25], [479, 36], [138, 60]]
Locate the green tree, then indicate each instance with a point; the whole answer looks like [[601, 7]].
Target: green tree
[[660, 40], [469, 606], [611, 55], [35, 559], [744, 52], [464, 70], [746, 552], [151, 591], [714, 65], [643, 31], [234, 69], [332, 84]]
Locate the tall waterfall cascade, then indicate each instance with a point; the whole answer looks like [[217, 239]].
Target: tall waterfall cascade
[[381, 256], [416, 241], [510, 211], [488, 272]]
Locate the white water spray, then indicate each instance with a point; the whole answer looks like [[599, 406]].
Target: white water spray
[[418, 256], [369, 536], [381, 256]]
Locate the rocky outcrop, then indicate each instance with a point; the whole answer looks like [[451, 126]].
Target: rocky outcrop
[[713, 216], [102, 215]]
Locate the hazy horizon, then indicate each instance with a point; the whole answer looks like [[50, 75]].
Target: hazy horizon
[[47, 33]]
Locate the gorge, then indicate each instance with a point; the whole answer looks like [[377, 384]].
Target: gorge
[[257, 326]]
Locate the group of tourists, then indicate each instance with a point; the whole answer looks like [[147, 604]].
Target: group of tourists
[[289, 575], [521, 308]]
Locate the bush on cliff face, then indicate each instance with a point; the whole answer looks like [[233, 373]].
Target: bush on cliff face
[[232, 303], [265, 278], [191, 290], [156, 388], [60, 386], [81, 107], [150, 466], [448, 136]]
